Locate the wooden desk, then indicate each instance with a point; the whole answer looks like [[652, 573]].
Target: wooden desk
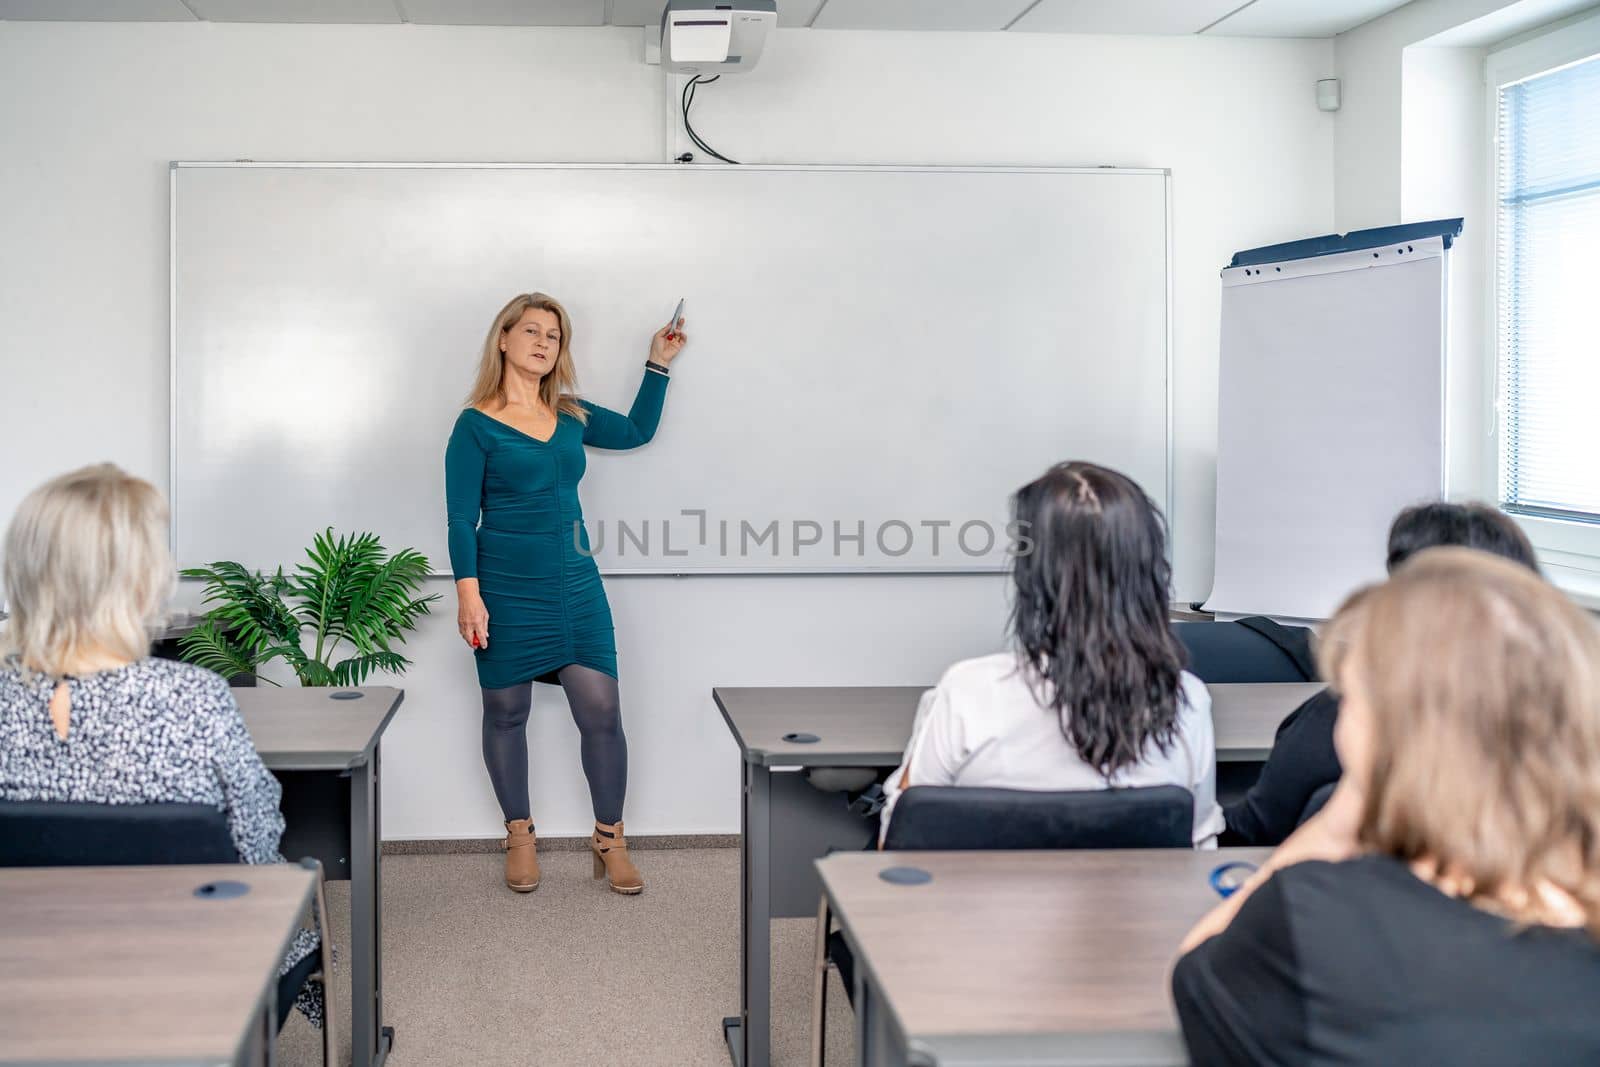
[[310, 729], [127, 965], [855, 726], [868, 726], [785, 824], [1246, 716], [1057, 958], [326, 752]]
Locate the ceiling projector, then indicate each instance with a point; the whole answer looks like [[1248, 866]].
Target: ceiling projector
[[708, 37]]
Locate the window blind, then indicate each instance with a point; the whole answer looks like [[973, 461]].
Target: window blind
[[1548, 275]]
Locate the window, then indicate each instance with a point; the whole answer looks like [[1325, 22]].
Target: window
[[1547, 267]]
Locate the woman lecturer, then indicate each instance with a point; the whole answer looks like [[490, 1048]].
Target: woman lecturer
[[521, 559]]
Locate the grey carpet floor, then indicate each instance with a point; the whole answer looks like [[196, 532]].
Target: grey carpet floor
[[572, 973]]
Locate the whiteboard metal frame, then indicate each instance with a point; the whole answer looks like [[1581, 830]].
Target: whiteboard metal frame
[[1165, 173]]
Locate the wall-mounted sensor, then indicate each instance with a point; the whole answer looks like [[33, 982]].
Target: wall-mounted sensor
[[1328, 94]]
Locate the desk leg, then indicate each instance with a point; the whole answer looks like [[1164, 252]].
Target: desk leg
[[260, 1043], [749, 1036], [877, 1042], [270, 1024], [865, 1009], [370, 1040]]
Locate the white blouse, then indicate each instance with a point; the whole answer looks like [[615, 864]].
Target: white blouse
[[983, 725]]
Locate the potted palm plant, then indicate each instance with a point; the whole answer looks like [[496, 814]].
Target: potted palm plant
[[337, 618]]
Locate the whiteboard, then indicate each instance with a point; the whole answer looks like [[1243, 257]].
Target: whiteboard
[[878, 356], [1330, 420]]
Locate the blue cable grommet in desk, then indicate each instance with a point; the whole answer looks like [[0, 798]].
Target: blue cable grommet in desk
[[1221, 879]]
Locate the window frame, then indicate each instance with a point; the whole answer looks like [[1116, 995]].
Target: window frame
[[1568, 549]]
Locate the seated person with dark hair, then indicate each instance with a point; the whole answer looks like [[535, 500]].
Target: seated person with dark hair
[[1094, 694], [1303, 766]]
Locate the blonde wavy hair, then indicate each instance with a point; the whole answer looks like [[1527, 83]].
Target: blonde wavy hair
[[558, 390], [86, 568], [1484, 686]]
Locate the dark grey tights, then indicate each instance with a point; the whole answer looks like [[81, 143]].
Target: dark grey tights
[[597, 710]]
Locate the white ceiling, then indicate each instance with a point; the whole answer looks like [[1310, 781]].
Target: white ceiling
[[1303, 18], [1254, 18], [501, 12], [918, 14], [1119, 16], [294, 10], [97, 10], [796, 13]]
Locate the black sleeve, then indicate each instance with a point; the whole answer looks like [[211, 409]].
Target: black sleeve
[[1238, 995], [1292, 641], [1302, 760]]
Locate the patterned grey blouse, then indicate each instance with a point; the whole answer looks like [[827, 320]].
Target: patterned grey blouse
[[153, 731]]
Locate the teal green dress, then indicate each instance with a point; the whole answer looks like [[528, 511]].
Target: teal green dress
[[516, 525]]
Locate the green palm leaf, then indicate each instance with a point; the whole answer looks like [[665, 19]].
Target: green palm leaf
[[208, 646], [347, 590], [354, 671]]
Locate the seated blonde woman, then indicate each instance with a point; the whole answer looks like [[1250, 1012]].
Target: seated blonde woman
[[1445, 906], [86, 714]]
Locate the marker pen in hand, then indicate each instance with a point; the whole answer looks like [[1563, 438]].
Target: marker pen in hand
[[672, 327]]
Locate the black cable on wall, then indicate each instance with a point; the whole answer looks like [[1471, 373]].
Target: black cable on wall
[[688, 102]]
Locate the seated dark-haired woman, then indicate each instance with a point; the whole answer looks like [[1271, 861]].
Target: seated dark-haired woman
[[1303, 767], [1444, 908], [1094, 694]]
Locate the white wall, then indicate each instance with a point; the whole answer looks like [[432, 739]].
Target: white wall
[[1444, 173], [1368, 134], [90, 115]]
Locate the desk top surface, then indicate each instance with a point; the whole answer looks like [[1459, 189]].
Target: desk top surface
[[309, 729], [1246, 715], [125, 964], [1035, 951], [870, 725], [854, 725]]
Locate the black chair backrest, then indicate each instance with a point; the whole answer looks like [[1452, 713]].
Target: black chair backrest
[[1316, 801], [52, 834], [949, 818], [1249, 650]]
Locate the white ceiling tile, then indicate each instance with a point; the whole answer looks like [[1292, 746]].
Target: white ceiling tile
[[1123, 16], [636, 12], [96, 10], [333, 11], [1302, 18], [648, 12], [918, 14], [798, 12], [506, 12]]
